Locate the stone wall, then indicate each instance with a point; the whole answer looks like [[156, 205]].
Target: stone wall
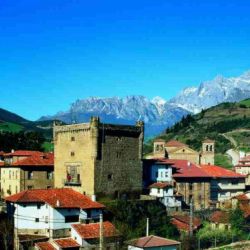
[[197, 189]]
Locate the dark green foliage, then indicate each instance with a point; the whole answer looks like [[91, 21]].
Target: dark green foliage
[[237, 220], [21, 140], [130, 218]]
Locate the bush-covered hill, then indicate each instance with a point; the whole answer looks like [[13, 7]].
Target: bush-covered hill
[[17, 132]]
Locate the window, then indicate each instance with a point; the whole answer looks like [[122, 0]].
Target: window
[[46, 219], [235, 182], [16, 174], [166, 174], [110, 177], [73, 176], [48, 187], [9, 174], [72, 138], [49, 175], [211, 148], [30, 175], [190, 186], [71, 218], [30, 187], [36, 219], [226, 227], [118, 154], [207, 147], [158, 190], [16, 189], [38, 206], [72, 153], [156, 174]]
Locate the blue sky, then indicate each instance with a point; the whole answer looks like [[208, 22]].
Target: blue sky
[[53, 52]]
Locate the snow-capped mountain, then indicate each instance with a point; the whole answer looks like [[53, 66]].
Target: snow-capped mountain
[[158, 113], [213, 92]]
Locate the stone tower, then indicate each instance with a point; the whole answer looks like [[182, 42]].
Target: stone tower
[[207, 153], [99, 159], [159, 148]]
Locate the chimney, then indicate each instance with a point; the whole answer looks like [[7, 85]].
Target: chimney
[[189, 164], [93, 197], [58, 203], [12, 150]]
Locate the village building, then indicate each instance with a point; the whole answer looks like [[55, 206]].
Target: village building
[[154, 243], [88, 235], [179, 151], [99, 159], [182, 223], [158, 178], [220, 220], [243, 167], [24, 169], [192, 183], [225, 183], [50, 212]]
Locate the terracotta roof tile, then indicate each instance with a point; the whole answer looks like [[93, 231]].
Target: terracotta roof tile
[[66, 243], [153, 241], [242, 197], [67, 197], [22, 153], [44, 246], [182, 222], [174, 143], [187, 169], [220, 217], [41, 159], [161, 185], [245, 209], [92, 230], [219, 172]]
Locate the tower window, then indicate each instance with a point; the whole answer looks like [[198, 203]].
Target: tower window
[[110, 177], [72, 153], [211, 148], [72, 138], [207, 147]]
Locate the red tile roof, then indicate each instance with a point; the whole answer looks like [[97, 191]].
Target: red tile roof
[[245, 208], [1, 153], [37, 159], [220, 217], [92, 230], [44, 246], [219, 172], [22, 153], [187, 169], [160, 185], [182, 222], [1, 163], [66, 243], [153, 241], [241, 197], [66, 197], [174, 143]]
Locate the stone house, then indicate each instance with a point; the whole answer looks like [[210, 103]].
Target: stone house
[[99, 159], [192, 183], [23, 169], [220, 220]]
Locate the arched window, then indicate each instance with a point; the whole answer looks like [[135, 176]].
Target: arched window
[[207, 147], [211, 148]]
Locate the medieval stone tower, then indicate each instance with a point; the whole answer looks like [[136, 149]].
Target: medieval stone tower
[[97, 158], [207, 154]]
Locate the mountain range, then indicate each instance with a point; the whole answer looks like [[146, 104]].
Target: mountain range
[[158, 113]]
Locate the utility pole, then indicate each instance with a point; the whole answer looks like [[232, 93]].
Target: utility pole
[[147, 227], [101, 233], [191, 218]]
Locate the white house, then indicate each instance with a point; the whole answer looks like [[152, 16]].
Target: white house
[[50, 212], [161, 174], [87, 235], [153, 243]]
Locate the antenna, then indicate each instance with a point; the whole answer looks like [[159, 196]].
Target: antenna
[[191, 218], [147, 227]]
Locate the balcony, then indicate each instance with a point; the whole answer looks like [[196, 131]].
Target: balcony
[[72, 182]]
